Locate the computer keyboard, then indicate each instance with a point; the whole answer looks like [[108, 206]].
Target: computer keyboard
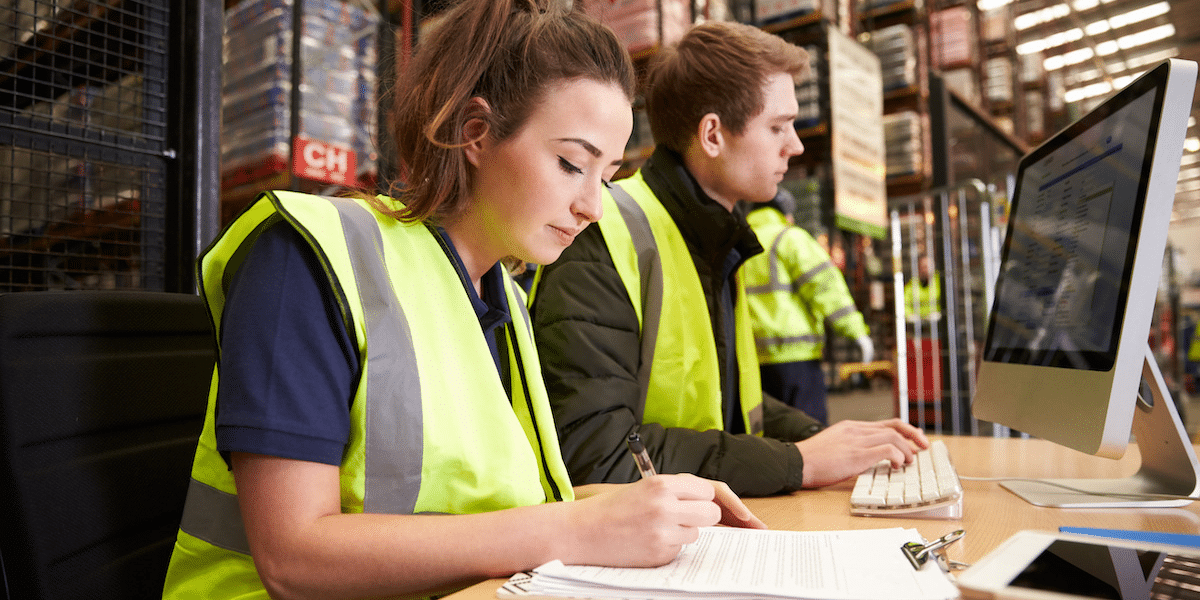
[[928, 487]]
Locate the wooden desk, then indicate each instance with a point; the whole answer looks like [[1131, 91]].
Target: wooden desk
[[990, 513]]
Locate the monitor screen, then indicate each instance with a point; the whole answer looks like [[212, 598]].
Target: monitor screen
[[1067, 343], [1075, 219]]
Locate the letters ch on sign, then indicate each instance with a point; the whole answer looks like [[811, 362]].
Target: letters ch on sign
[[321, 161]]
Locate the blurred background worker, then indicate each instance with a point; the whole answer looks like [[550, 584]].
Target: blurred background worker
[[923, 293], [793, 290]]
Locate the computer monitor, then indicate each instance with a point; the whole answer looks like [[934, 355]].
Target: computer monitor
[[1067, 341]]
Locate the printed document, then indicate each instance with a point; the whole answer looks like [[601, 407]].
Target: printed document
[[728, 563]]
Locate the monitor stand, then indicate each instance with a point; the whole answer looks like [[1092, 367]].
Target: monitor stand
[[1168, 461]]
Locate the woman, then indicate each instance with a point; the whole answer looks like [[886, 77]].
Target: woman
[[378, 425]]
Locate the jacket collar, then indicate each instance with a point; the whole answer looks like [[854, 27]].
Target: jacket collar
[[710, 230]]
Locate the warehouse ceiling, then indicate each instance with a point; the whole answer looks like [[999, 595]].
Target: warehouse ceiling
[[1096, 46]]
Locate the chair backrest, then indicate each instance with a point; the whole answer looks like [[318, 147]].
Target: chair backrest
[[102, 399]]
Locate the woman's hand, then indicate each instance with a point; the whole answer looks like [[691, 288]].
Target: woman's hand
[[646, 523]]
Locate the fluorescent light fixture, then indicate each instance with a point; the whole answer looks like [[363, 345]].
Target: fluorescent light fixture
[[986, 5], [1192, 173], [1146, 36], [1037, 17], [1139, 14], [1052, 41], [1088, 91], [1082, 5], [1192, 144], [1097, 28]]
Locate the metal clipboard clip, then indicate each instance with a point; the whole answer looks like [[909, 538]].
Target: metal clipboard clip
[[918, 553]]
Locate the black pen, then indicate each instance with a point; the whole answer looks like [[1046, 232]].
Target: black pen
[[645, 467]]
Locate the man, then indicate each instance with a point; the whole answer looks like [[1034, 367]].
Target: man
[[642, 324], [793, 289], [923, 293]]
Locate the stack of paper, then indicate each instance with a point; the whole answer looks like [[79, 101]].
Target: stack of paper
[[727, 563]]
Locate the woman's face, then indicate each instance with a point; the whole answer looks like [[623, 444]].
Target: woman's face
[[535, 191]]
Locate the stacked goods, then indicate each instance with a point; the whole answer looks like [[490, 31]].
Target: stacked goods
[[773, 11], [336, 85], [808, 92], [902, 136], [953, 33], [998, 78], [897, 54], [637, 22]]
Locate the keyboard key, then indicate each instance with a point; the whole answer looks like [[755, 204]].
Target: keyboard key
[[929, 483]]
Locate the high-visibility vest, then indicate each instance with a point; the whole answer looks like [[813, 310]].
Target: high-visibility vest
[[926, 298], [789, 327], [1193, 354], [432, 428], [680, 372]]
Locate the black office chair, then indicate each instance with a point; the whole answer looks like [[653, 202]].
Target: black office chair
[[102, 398]]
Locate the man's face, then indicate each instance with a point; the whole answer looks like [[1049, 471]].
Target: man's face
[[752, 164]]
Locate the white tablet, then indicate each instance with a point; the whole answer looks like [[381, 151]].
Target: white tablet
[[1041, 565]]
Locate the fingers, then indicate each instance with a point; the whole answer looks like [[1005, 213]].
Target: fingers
[[848, 448], [683, 500], [734, 512], [909, 431]]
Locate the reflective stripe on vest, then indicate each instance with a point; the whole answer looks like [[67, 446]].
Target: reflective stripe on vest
[[368, 258], [808, 344], [790, 312], [679, 371]]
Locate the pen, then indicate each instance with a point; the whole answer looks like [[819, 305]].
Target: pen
[[645, 467]]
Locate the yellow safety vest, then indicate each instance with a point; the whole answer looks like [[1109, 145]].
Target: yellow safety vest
[[438, 441], [788, 327], [680, 368], [926, 298]]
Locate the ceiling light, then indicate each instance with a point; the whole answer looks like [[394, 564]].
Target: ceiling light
[[1138, 15], [986, 5], [1089, 91], [1051, 41], [1037, 17], [1146, 36], [1192, 144]]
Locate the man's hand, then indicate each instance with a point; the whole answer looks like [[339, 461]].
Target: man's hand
[[868, 348], [848, 448]]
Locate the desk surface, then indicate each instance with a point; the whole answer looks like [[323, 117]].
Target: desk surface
[[990, 513]]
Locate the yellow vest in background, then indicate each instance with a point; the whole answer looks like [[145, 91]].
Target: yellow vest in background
[[926, 298], [789, 311]]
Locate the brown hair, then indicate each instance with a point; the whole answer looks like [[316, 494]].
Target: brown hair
[[718, 67], [506, 52]]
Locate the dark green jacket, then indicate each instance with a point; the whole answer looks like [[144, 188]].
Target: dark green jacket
[[588, 338]]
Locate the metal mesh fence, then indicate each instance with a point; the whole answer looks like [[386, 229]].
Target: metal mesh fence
[[83, 149]]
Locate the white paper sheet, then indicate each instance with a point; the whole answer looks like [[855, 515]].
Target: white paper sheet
[[746, 563]]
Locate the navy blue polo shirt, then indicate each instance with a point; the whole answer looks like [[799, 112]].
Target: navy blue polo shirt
[[288, 366]]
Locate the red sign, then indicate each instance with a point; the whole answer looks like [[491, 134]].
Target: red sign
[[319, 161]]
